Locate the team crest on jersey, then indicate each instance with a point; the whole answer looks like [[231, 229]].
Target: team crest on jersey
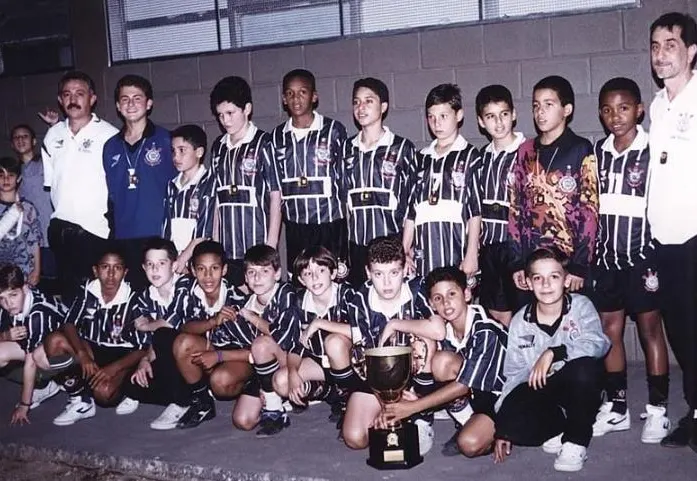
[[85, 146], [684, 120], [117, 327], [342, 270], [389, 165], [322, 154], [152, 156], [651, 281], [573, 330], [249, 164], [458, 178], [193, 205], [635, 176], [58, 144]]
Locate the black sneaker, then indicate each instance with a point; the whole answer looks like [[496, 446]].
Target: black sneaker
[[450, 448], [272, 423], [199, 411], [678, 437]]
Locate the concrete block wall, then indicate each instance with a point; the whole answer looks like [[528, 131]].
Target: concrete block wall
[[588, 49]]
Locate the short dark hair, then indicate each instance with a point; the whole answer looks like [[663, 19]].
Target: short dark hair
[[132, 80], [561, 86], [443, 274], [385, 249], [160, 244], [300, 73], [620, 84], [208, 247], [687, 24], [12, 165], [445, 94], [76, 75], [543, 253], [492, 94], [111, 247], [231, 89], [192, 134], [320, 255], [376, 85], [26, 127], [262, 255], [11, 277]]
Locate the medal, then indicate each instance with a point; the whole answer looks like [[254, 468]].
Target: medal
[[664, 157], [433, 198], [132, 178], [567, 184], [233, 189], [303, 181], [365, 196]]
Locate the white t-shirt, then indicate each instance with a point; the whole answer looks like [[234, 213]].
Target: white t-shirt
[[672, 204], [74, 171]]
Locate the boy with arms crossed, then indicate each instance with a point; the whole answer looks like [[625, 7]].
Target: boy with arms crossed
[[248, 199], [307, 150], [625, 272], [444, 217], [497, 116]]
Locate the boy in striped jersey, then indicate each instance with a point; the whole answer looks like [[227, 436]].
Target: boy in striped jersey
[[324, 310], [379, 175], [470, 364], [100, 335], [190, 197], [26, 318], [307, 159], [625, 272], [496, 115], [442, 227], [248, 197], [272, 317]]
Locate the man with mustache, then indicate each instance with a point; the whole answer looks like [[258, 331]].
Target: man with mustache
[[72, 157]]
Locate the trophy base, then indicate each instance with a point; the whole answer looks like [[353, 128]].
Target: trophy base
[[396, 448]]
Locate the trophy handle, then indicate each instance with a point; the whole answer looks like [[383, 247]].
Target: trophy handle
[[358, 360]]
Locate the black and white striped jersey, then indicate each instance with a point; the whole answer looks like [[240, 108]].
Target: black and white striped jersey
[[377, 185], [155, 307], [189, 208], [108, 324], [40, 315], [624, 234], [368, 316], [446, 196], [337, 311], [494, 173], [483, 349], [244, 179], [308, 170]]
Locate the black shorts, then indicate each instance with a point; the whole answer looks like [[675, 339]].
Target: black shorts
[[483, 402], [332, 235], [634, 289], [496, 288], [105, 355]]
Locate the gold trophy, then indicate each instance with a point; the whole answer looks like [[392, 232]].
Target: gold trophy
[[387, 371]]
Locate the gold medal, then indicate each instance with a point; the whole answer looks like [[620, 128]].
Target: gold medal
[[365, 196], [233, 189], [303, 181], [433, 199]]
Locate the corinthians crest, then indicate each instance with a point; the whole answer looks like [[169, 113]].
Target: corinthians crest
[[651, 281]]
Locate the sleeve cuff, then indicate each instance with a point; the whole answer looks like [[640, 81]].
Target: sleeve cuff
[[558, 353]]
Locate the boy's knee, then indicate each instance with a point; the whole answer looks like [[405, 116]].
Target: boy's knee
[[355, 438], [183, 345], [224, 384], [280, 382], [337, 346], [263, 346], [54, 344], [442, 368], [469, 445], [244, 422]]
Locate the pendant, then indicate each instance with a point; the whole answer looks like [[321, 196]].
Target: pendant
[[433, 198], [132, 179], [233, 189], [303, 181]]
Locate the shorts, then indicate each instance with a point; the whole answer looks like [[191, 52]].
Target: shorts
[[105, 355], [483, 402], [496, 289], [633, 289]]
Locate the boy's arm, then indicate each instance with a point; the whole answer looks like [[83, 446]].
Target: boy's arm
[[274, 219], [273, 182], [586, 225], [470, 261], [432, 328], [404, 409], [35, 274]]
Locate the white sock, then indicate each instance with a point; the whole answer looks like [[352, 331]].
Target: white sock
[[272, 401]]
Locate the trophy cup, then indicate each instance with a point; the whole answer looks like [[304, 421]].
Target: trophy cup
[[387, 371]]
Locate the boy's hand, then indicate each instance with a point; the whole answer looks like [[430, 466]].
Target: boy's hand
[[20, 415], [387, 333], [538, 375], [519, 280], [227, 313], [142, 324], [310, 331], [502, 448], [17, 333], [89, 367], [206, 360], [296, 387], [143, 373], [469, 265], [395, 412], [182, 261], [103, 375], [575, 283], [410, 265], [33, 278]]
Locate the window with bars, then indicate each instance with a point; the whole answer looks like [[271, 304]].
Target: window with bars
[[157, 28]]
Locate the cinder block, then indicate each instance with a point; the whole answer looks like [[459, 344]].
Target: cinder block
[[346, 118], [595, 32], [407, 123], [326, 95], [638, 20], [165, 109], [269, 65], [517, 40], [12, 92], [634, 66], [195, 108], [396, 53], [328, 59], [410, 89], [267, 100], [213, 131], [586, 117], [111, 76], [267, 124], [452, 47], [472, 79], [576, 71], [215, 67], [175, 75]]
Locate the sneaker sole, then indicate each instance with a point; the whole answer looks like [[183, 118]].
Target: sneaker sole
[[653, 440], [163, 427], [126, 413], [87, 415], [550, 450], [566, 468], [615, 429]]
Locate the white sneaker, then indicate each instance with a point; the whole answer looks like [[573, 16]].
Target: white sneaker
[[127, 406], [40, 395], [552, 445], [426, 435], [570, 458], [608, 421], [656, 426], [75, 410], [169, 417]]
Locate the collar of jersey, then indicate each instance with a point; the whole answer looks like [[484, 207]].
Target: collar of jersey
[[215, 308], [194, 180], [459, 144], [512, 147], [155, 294], [385, 139], [248, 136], [26, 307], [309, 302], [316, 124], [689, 91], [640, 142], [121, 296], [252, 302], [94, 119], [378, 305]]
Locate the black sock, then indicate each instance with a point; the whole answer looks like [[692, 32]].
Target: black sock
[[199, 389], [72, 381], [265, 372], [346, 379], [616, 390], [316, 390], [424, 384], [658, 389]]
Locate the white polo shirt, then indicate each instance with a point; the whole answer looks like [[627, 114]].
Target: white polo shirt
[[672, 203], [74, 171]]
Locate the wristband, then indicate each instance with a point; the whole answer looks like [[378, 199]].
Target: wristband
[[220, 356], [23, 404]]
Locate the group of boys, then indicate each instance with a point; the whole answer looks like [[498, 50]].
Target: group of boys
[[387, 245]]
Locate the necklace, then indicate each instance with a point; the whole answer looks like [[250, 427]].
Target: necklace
[[551, 161], [132, 177]]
